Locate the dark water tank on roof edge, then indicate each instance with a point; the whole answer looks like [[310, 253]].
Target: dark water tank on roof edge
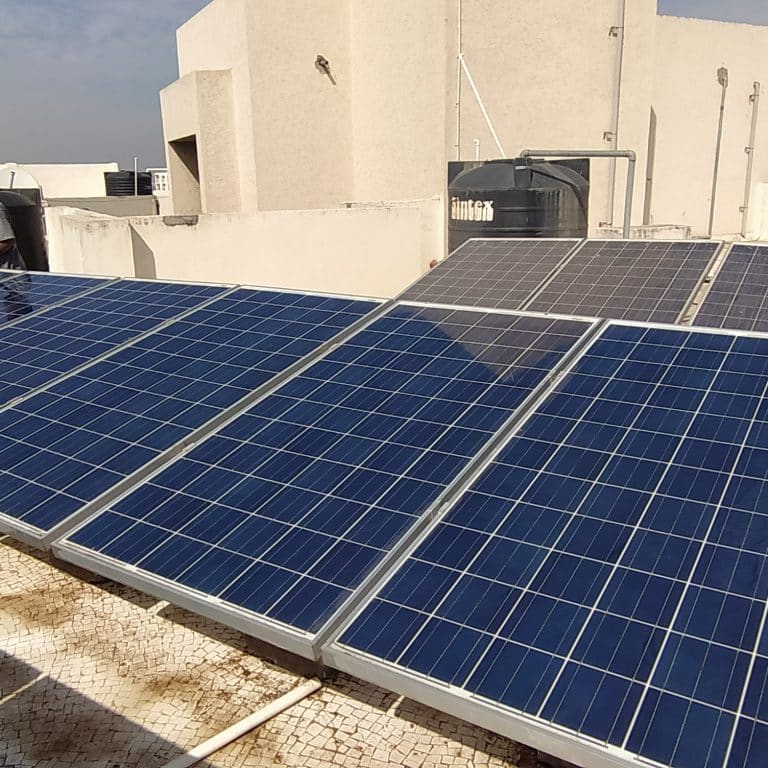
[[123, 183], [519, 197], [26, 218]]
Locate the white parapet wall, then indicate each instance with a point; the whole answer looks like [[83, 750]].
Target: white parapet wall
[[368, 251]]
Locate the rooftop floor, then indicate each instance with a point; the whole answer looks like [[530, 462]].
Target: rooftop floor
[[96, 675]]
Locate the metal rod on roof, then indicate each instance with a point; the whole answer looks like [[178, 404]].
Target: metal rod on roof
[[628, 153], [722, 78], [458, 82], [481, 105], [754, 100]]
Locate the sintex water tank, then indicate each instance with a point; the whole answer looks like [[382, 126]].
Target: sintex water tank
[[517, 198], [126, 183], [26, 219]]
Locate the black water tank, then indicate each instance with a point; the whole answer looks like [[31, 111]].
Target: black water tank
[[27, 221], [123, 183], [517, 198]]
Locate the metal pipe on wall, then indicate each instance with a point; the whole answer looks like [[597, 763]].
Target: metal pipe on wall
[[617, 32], [754, 100], [459, 54], [649, 164], [627, 153], [722, 78]]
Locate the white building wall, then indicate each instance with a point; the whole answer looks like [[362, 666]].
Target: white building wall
[[687, 99], [302, 128], [218, 38], [546, 72], [64, 179]]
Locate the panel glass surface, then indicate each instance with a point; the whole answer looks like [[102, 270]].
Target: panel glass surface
[[607, 572], [628, 280], [24, 292], [285, 510], [491, 273], [738, 297], [68, 444], [41, 348]]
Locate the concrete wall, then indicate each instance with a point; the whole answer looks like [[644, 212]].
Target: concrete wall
[[370, 251], [141, 205], [198, 117], [302, 129], [555, 75], [687, 100], [63, 180], [217, 38], [398, 98]]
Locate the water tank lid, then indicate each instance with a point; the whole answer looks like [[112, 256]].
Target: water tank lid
[[14, 200], [506, 174]]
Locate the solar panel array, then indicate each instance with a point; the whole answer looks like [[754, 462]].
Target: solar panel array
[[288, 508], [607, 573], [650, 281], [65, 446], [22, 293], [738, 297], [575, 559], [491, 273], [56, 341]]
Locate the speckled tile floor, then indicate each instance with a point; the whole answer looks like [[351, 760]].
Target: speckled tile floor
[[96, 675]]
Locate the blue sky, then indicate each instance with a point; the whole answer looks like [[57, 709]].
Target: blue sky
[[81, 77], [749, 11]]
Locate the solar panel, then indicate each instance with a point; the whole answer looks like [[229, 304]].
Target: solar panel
[[81, 437], [272, 522], [22, 293], [492, 272], [738, 297], [628, 280], [38, 349], [599, 590]]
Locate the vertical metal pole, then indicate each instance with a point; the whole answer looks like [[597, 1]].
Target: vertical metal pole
[[618, 33], [458, 82], [649, 164], [722, 78], [754, 100], [628, 197], [135, 176]]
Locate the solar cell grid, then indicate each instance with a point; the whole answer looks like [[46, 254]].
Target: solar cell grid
[[607, 572], [628, 280], [42, 347], [738, 297], [288, 508], [65, 446], [22, 293], [491, 273]]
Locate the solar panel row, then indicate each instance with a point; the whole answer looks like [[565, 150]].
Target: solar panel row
[[60, 339], [22, 293], [492, 273], [651, 281], [67, 445], [287, 509], [738, 297], [607, 573]]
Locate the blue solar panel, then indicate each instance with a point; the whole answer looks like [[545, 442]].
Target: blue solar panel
[[40, 348], [22, 293], [65, 446], [285, 511], [738, 297], [607, 573]]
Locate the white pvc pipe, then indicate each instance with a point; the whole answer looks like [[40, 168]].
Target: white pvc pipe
[[239, 729], [481, 105]]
